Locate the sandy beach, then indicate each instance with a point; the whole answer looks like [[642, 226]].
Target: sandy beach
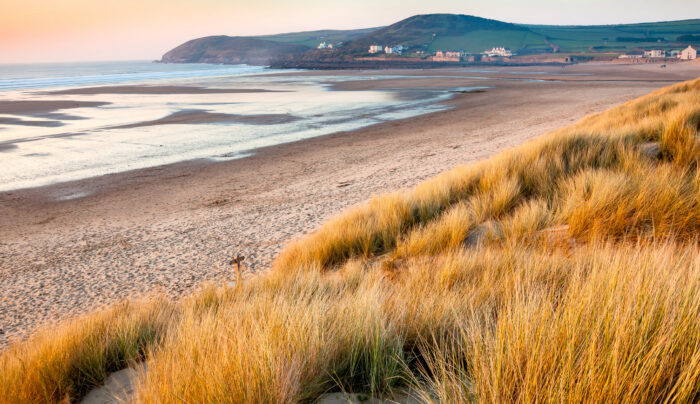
[[72, 247]]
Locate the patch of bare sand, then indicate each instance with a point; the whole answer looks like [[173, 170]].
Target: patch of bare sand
[[118, 388]]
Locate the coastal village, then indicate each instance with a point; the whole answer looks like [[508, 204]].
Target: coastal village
[[503, 54], [453, 56]]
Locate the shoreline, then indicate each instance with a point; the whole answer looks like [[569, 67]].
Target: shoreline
[[71, 247], [115, 182], [57, 113]]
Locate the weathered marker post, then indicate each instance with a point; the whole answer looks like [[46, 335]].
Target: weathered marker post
[[237, 261]]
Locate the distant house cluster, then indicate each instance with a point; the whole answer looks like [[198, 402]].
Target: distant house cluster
[[461, 56], [389, 50], [453, 56], [325, 45], [686, 54]]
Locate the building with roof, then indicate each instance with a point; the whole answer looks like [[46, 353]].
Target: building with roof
[[447, 56], [376, 49], [655, 53], [689, 53], [632, 55], [499, 52]]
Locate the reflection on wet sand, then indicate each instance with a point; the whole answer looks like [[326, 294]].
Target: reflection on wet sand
[[33, 107], [156, 90], [114, 128], [7, 147], [23, 122], [203, 116]]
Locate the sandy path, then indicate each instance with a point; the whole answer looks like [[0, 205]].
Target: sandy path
[[172, 228]]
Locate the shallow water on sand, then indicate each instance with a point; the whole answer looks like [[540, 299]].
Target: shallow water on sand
[[232, 111]]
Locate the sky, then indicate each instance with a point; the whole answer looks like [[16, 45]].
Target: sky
[[94, 30]]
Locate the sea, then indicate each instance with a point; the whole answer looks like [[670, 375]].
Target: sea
[[94, 133]]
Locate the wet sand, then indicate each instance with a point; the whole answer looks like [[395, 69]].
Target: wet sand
[[9, 146], [146, 89], [43, 107], [24, 122], [73, 247], [197, 116]]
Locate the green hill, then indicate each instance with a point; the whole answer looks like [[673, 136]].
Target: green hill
[[432, 32], [423, 30], [313, 38], [473, 34], [255, 50], [232, 50]]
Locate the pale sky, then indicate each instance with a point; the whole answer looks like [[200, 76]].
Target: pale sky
[[91, 30]]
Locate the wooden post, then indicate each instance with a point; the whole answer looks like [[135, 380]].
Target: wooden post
[[237, 262]]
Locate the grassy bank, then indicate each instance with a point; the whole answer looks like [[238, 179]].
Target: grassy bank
[[567, 269]]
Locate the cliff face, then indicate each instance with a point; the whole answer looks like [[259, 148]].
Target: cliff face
[[231, 50]]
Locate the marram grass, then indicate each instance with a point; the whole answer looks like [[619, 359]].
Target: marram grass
[[564, 270]]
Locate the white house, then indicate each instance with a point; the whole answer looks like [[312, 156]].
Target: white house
[[376, 49], [689, 54], [655, 53], [323, 45], [500, 51]]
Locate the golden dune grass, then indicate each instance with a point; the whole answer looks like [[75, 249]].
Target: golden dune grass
[[565, 270]]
